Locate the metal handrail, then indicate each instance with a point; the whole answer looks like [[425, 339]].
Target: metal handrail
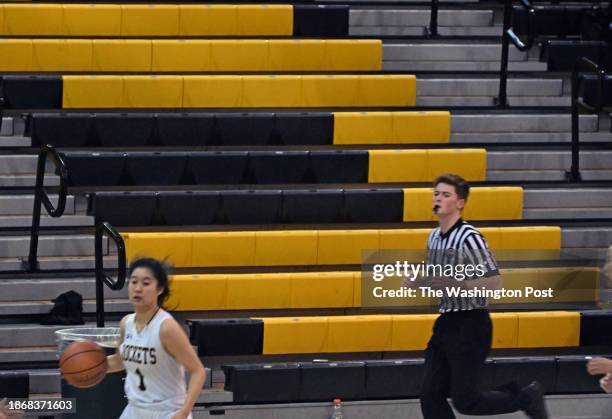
[[102, 279], [582, 65], [41, 198], [507, 36]]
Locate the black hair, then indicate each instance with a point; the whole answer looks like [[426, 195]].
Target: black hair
[[159, 269], [462, 189]]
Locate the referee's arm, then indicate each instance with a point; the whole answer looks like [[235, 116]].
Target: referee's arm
[[477, 252]]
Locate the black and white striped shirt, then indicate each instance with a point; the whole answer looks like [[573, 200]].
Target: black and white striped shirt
[[461, 244]]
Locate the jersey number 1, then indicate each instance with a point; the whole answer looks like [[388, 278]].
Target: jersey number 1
[[141, 386]]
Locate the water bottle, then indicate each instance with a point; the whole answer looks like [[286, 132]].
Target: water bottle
[[337, 410]]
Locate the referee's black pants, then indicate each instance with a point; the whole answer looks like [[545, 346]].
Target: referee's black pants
[[454, 362]]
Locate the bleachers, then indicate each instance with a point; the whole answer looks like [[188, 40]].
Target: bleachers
[[264, 190]]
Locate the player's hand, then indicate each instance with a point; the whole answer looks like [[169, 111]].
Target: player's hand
[[606, 383], [599, 365], [181, 414]]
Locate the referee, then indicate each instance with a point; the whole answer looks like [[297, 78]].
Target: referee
[[461, 340]]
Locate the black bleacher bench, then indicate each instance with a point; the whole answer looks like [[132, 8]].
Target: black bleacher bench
[[242, 207], [561, 55], [321, 20], [90, 169], [188, 129], [590, 94], [14, 384], [392, 379], [550, 20]]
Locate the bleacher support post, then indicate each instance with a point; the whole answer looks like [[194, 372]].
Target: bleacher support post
[[433, 19]]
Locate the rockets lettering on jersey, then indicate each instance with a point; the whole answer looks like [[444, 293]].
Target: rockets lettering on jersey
[[139, 354]]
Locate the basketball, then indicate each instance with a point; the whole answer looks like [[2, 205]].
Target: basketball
[[83, 364]]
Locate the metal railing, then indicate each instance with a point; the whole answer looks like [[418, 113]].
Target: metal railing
[[41, 198], [104, 228], [582, 65]]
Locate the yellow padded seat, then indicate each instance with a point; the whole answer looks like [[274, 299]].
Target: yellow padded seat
[[239, 55], [411, 332], [346, 55], [484, 203], [20, 51], [226, 248], [493, 236], [421, 127], [266, 19], [345, 246], [259, 291], [212, 92], [391, 127], [32, 19], [390, 90], [548, 329], [371, 333], [92, 92], [329, 91], [271, 91], [322, 289], [181, 55], [198, 292], [469, 163], [297, 55], [286, 335], [149, 20], [92, 20], [152, 91], [505, 330], [549, 237], [173, 247], [404, 239], [62, 55], [397, 166], [278, 248], [124, 55]]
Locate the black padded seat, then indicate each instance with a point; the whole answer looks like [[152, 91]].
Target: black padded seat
[[94, 168], [320, 20], [62, 129], [346, 380], [124, 129], [32, 92], [233, 129], [124, 208], [184, 129], [313, 206], [374, 205], [305, 128], [339, 166], [251, 206], [154, 168], [189, 207], [218, 167], [278, 167]]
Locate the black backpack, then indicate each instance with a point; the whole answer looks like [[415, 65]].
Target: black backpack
[[67, 309]]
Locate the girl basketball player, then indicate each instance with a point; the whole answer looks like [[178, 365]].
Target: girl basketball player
[[155, 351]]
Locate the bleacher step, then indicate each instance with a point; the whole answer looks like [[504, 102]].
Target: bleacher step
[[119, 305], [24, 221], [59, 263], [422, 66], [23, 204], [415, 17], [23, 336], [586, 237], [447, 101], [28, 354], [66, 245], [422, 30], [468, 51], [519, 123], [442, 86], [523, 175], [546, 160], [567, 213], [25, 181], [568, 198], [15, 141], [34, 289], [525, 137]]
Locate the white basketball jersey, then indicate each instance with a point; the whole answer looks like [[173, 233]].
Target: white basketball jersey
[[154, 380]]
